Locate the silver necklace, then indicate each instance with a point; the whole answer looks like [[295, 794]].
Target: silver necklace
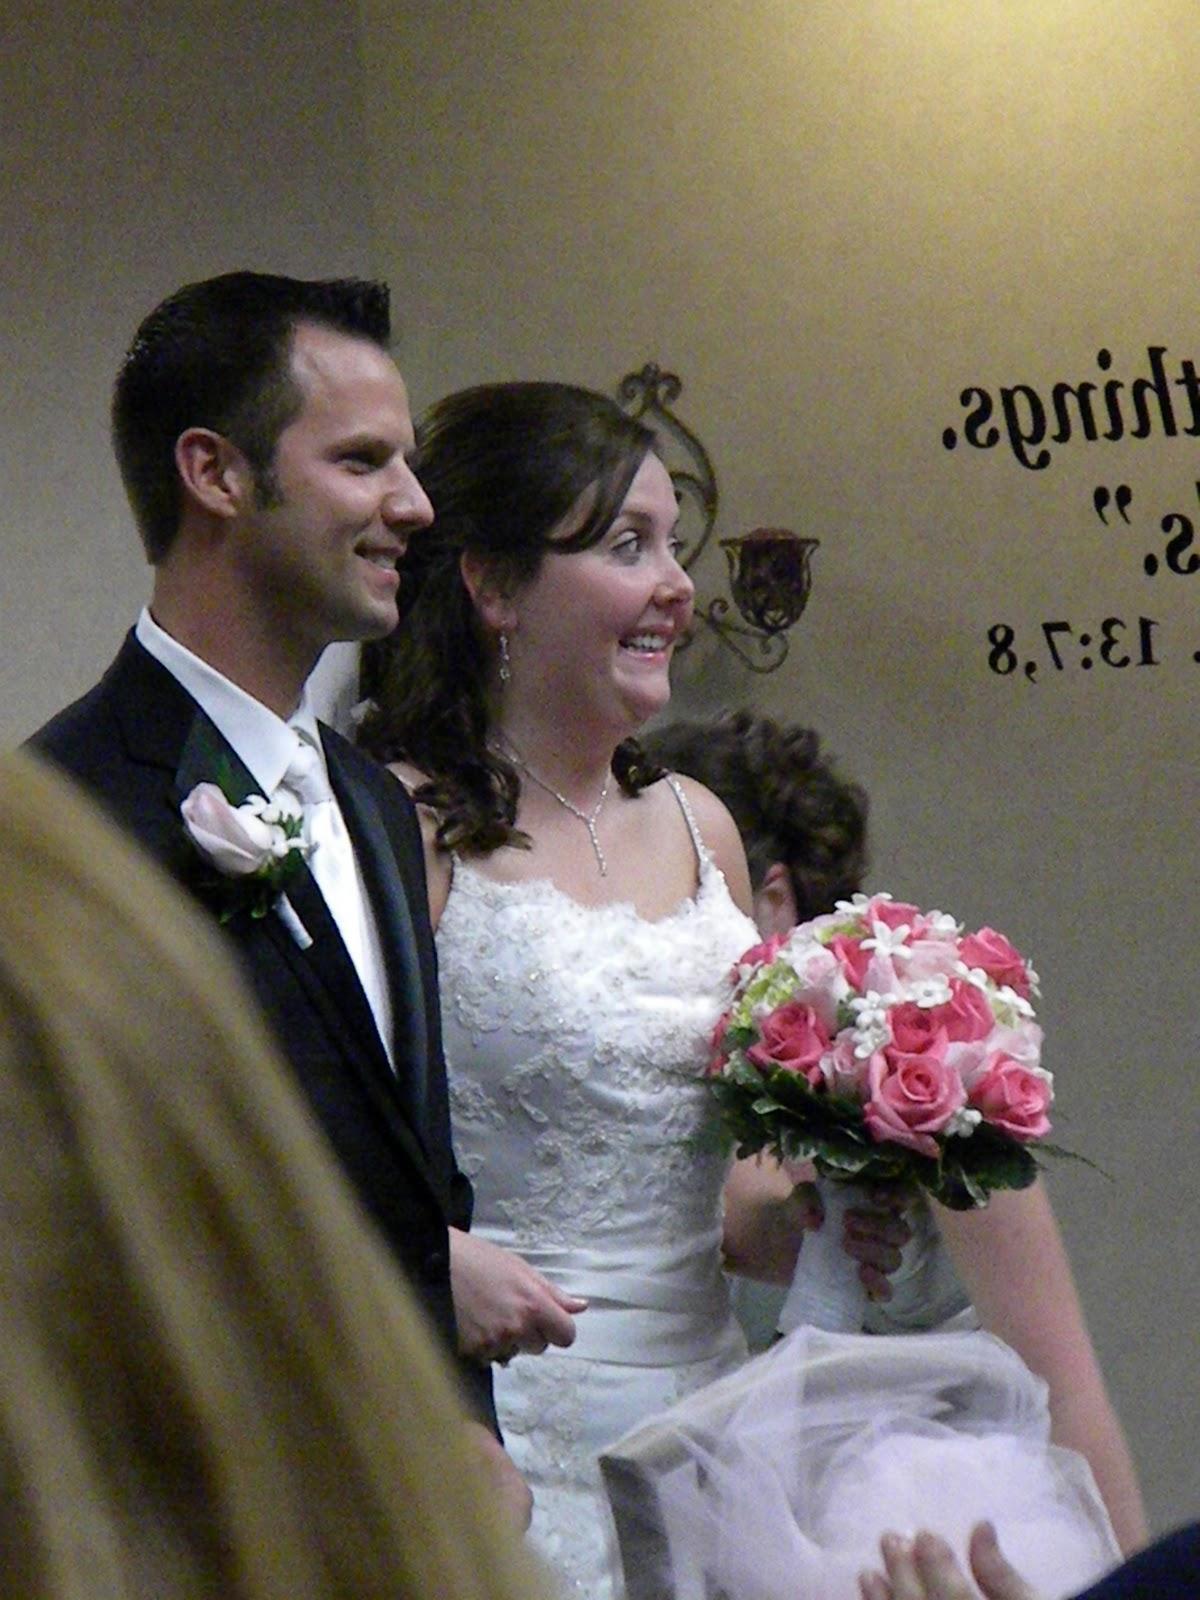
[[588, 818]]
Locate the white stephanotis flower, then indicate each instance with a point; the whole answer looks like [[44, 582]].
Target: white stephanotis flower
[[941, 925], [887, 941], [857, 902], [280, 815], [929, 992], [975, 975], [964, 1122], [872, 1030], [1009, 997]]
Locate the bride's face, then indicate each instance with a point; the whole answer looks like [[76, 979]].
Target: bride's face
[[594, 632]]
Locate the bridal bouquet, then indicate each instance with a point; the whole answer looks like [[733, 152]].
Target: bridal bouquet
[[886, 1044]]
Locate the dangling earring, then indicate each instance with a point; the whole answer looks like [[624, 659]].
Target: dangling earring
[[505, 668]]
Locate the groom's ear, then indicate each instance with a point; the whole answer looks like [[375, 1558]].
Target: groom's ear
[[214, 473]]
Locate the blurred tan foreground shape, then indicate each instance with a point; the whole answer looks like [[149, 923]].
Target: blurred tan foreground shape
[[212, 1382]]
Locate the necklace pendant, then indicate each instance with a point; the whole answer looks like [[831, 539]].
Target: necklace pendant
[[600, 861], [589, 819]]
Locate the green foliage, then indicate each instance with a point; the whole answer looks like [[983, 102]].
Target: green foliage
[[777, 1111]]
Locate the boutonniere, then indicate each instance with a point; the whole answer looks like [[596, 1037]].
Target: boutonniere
[[254, 851]]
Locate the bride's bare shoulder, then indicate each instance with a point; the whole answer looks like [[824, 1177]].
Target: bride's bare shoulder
[[411, 777]]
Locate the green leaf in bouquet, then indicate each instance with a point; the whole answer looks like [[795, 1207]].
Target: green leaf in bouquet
[[852, 925], [770, 988], [1060, 1153], [839, 1161], [792, 1090], [972, 1168], [742, 1073], [957, 1190], [793, 1144]]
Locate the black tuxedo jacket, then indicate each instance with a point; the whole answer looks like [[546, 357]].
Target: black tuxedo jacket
[[1169, 1569], [140, 742]]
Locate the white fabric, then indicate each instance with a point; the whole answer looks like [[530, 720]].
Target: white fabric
[[262, 741], [826, 1290], [777, 1483], [576, 1040], [927, 1293]]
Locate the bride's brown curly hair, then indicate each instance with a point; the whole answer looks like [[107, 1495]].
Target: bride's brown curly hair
[[503, 465]]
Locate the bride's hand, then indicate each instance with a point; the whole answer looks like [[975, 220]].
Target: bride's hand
[[766, 1217], [875, 1236], [925, 1568], [503, 1306]]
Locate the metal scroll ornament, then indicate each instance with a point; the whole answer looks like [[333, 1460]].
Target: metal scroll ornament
[[769, 573]]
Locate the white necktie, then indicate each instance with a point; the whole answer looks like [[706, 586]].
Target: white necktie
[[335, 869]]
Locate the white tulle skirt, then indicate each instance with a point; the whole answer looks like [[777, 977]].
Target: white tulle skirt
[[776, 1482]]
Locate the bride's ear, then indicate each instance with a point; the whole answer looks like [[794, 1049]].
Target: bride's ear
[[775, 901], [491, 598]]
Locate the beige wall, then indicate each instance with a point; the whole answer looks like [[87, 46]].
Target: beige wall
[[831, 218], [141, 147]]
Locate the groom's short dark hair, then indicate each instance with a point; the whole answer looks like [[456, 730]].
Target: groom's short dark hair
[[216, 354]]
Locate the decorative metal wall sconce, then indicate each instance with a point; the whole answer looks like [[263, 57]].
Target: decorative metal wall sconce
[[769, 575]]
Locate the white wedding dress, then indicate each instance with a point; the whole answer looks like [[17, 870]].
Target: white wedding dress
[[576, 1039]]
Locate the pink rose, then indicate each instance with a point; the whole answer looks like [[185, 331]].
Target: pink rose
[[794, 1038], [853, 958], [758, 955], [992, 952], [846, 1073], [912, 1097], [1012, 1097], [716, 1059], [964, 1018], [931, 957], [895, 913], [916, 1028], [234, 838]]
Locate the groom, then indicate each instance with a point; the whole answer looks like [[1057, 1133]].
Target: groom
[[263, 435]]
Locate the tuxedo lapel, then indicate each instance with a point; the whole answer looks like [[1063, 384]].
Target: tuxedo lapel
[[385, 888], [207, 758]]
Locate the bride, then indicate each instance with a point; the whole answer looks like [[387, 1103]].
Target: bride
[[587, 914], [588, 911]]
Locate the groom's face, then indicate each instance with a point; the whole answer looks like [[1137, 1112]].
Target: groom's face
[[319, 551]]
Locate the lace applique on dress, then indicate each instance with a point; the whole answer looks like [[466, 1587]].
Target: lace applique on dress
[[576, 1039]]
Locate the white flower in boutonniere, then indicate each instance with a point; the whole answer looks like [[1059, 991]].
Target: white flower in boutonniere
[[256, 848]]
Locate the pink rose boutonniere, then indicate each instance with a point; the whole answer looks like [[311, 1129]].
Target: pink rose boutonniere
[[253, 851]]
